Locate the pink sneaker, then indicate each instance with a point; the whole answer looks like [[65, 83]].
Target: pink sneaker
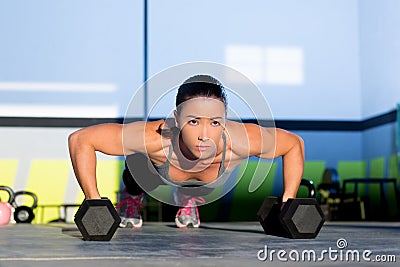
[[188, 216], [129, 208]]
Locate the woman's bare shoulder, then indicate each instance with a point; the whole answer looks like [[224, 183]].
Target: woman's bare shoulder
[[238, 138], [148, 126], [244, 137], [143, 136], [240, 130]]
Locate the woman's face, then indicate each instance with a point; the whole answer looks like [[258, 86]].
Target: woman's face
[[201, 121]]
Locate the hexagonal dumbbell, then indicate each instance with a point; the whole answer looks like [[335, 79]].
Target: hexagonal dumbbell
[[97, 219], [299, 218]]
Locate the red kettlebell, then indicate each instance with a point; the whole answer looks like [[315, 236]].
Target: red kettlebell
[[5, 207]]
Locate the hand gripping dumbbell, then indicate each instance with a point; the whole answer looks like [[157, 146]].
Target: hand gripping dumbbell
[[298, 218], [97, 219]]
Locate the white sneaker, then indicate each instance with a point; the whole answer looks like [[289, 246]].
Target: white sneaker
[[188, 215], [129, 208]]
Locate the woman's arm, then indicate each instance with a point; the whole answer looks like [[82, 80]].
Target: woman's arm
[[105, 138], [83, 144], [288, 145], [291, 148]]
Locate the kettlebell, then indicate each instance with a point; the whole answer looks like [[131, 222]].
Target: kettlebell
[[24, 214], [6, 207]]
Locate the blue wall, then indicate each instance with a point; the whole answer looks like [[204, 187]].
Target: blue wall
[[380, 142], [379, 64], [328, 147], [349, 48], [332, 146], [379, 55], [100, 41], [70, 41], [325, 31]]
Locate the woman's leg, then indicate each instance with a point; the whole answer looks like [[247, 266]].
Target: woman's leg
[[138, 179]]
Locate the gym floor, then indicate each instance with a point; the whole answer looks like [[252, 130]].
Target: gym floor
[[213, 244]]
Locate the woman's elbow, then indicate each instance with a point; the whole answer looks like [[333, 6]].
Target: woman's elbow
[[300, 143], [76, 139]]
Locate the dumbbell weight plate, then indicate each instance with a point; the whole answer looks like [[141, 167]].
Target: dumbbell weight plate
[[97, 219], [302, 217]]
